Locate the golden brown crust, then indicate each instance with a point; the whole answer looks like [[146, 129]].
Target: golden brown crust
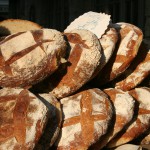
[[53, 125], [124, 110], [137, 72], [83, 59], [18, 107], [43, 63], [11, 26], [87, 122], [140, 123], [125, 52]]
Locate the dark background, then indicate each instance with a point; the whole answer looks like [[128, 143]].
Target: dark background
[[58, 14]]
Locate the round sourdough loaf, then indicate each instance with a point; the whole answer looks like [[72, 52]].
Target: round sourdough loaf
[[84, 57], [11, 26], [130, 40], [86, 117], [141, 122], [28, 57], [124, 111], [23, 117], [54, 123]]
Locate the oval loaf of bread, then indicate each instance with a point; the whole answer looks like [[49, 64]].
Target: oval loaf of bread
[[28, 57], [140, 123], [130, 40], [23, 117], [84, 57], [124, 113], [138, 71], [86, 117]]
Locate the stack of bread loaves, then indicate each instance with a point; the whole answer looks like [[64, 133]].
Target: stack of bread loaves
[[85, 88]]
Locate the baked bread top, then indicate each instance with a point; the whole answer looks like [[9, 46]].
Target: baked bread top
[[86, 117], [140, 123], [11, 26], [84, 57], [23, 117], [28, 57]]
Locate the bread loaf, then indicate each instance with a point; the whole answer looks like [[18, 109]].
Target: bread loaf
[[124, 111], [28, 57], [130, 40], [141, 123], [86, 117], [11, 26], [138, 70], [108, 42], [23, 117], [84, 57], [53, 125]]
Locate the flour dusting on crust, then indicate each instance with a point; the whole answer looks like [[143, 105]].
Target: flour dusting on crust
[[92, 21]]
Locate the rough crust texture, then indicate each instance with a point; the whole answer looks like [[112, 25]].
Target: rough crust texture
[[87, 116], [138, 70], [124, 111], [130, 40], [53, 125], [11, 26], [141, 123], [28, 57], [23, 117], [84, 57], [108, 42]]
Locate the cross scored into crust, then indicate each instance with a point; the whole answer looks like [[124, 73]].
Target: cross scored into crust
[[120, 120], [74, 56], [38, 37], [87, 119], [140, 126], [18, 128]]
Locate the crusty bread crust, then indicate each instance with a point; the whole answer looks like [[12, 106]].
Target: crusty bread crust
[[84, 57], [124, 110], [108, 42], [54, 123], [11, 26], [23, 118], [28, 57], [87, 116], [141, 123], [138, 70], [130, 40]]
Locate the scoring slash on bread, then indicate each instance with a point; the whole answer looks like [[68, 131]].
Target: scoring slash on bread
[[95, 51], [138, 70], [141, 123], [84, 57], [11, 26], [100, 25], [23, 118], [130, 40], [86, 117], [28, 57], [108, 42], [124, 110]]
